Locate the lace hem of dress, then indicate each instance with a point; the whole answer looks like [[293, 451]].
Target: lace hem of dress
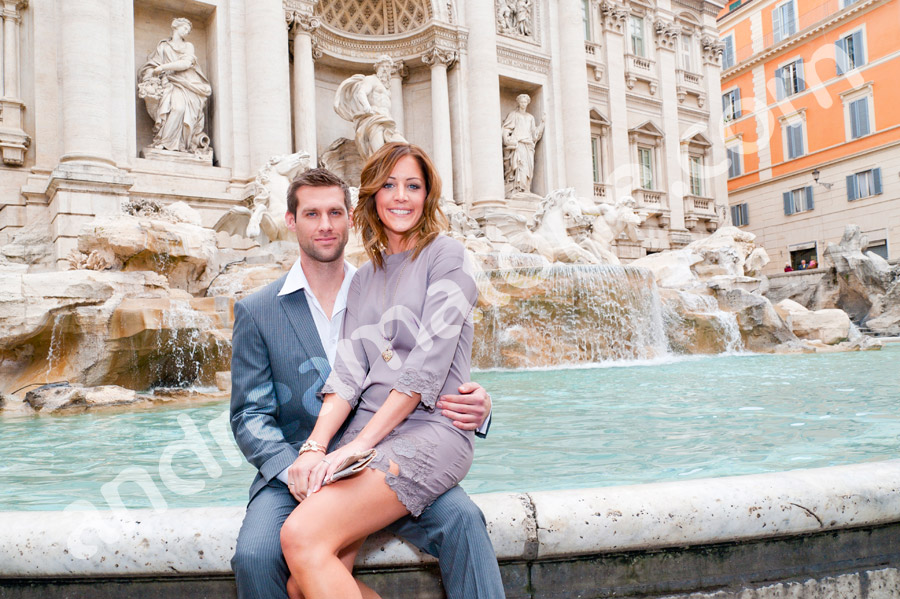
[[334, 384], [402, 450], [424, 383]]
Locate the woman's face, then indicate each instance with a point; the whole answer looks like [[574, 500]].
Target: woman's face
[[182, 29], [401, 200]]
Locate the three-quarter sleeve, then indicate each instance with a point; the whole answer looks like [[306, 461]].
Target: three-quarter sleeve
[[351, 365], [450, 295]]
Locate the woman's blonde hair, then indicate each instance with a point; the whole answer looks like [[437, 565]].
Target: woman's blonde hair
[[374, 174]]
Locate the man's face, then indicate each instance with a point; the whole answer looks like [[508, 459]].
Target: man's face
[[322, 223]]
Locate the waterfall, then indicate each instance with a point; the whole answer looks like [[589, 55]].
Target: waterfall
[[54, 351], [567, 314]]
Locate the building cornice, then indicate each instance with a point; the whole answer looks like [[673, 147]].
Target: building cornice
[[795, 40], [819, 165]]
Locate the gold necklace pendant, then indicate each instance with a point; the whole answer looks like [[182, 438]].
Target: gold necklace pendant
[[387, 354]]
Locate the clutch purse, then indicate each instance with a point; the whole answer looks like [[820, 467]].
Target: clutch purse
[[353, 464]]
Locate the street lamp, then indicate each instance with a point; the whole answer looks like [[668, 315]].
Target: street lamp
[[815, 175]]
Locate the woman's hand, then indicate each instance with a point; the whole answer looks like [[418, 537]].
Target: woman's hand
[[298, 473], [329, 464]]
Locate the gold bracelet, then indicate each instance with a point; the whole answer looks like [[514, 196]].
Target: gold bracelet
[[310, 445]]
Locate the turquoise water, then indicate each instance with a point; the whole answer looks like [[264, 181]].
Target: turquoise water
[[612, 424]]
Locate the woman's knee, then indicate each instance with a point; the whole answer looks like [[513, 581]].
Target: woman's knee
[[303, 541]]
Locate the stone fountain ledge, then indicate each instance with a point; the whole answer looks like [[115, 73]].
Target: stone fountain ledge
[[806, 533]]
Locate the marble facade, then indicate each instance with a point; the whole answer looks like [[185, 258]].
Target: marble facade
[[616, 95]]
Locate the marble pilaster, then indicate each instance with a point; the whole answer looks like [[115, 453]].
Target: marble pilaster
[[717, 170], [576, 127], [304, 92], [268, 81], [486, 145], [13, 139], [440, 60], [669, 159], [620, 176], [398, 72]]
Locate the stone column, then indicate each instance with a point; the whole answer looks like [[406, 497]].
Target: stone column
[[440, 60], [576, 126], [304, 99], [485, 120], [86, 82], [672, 164], [268, 81], [398, 72], [620, 178], [717, 171], [86, 182], [13, 140]]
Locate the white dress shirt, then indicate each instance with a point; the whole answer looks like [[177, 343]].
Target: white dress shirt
[[329, 328]]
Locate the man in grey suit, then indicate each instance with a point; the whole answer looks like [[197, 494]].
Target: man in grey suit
[[284, 339]]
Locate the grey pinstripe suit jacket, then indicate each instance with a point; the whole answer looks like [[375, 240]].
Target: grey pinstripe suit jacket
[[277, 367]]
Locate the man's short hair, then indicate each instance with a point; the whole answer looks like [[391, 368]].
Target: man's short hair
[[315, 177]]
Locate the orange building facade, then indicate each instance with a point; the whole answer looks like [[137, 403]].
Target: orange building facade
[[811, 104]]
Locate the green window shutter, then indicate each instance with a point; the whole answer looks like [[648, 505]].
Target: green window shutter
[[788, 204], [851, 188], [876, 176]]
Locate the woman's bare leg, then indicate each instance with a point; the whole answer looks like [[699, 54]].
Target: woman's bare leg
[[347, 557], [331, 521]]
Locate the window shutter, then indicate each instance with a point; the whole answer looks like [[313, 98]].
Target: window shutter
[[736, 99], [851, 188], [799, 150], [735, 215], [780, 85], [876, 176], [776, 24], [863, 113], [854, 119], [859, 49], [840, 56], [809, 198], [790, 21], [745, 220], [788, 204], [801, 80]]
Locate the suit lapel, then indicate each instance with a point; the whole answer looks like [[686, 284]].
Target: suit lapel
[[297, 310]]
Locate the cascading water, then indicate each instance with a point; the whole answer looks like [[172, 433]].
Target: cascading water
[[54, 351], [559, 314], [696, 324], [184, 349]]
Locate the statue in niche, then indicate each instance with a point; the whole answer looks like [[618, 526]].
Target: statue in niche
[[176, 91], [365, 101], [514, 17], [520, 136]]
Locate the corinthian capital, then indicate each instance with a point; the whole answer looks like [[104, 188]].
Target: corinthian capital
[[613, 16], [301, 22], [436, 55]]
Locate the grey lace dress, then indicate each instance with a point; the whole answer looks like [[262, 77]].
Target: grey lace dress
[[422, 310]]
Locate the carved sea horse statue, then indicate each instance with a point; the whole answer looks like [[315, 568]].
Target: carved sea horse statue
[[263, 218], [549, 227]]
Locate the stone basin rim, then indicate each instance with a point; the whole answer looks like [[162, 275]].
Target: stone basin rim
[[528, 526]]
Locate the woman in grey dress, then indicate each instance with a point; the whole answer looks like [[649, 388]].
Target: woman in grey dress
[[406, 339]]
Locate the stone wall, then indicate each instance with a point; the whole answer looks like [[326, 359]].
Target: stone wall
[[806, 534]]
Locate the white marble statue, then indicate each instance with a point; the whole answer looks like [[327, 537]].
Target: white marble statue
[[175, 91], [520, 135], [550, 228], [514, 17], [365, 101], [611, 221], [264, 219]]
